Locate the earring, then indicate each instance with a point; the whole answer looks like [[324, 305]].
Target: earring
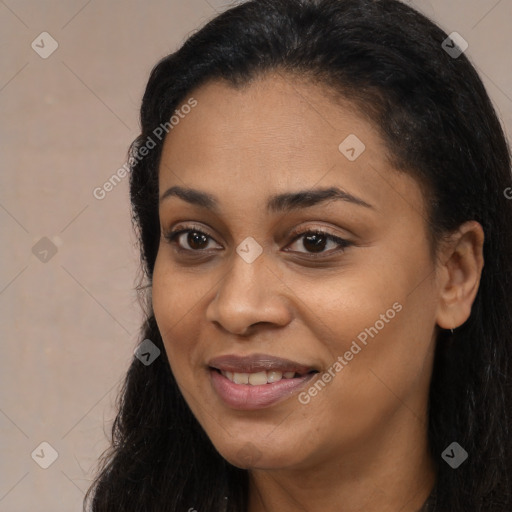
[[451, 330]]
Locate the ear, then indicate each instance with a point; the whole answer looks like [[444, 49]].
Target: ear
[[459, 270]]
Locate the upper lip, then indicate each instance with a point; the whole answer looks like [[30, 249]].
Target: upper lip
[[257, 363]]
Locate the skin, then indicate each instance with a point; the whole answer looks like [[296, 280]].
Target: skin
[[361, 442]]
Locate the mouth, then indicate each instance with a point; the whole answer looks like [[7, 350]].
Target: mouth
[[257, 363], [257, 381]]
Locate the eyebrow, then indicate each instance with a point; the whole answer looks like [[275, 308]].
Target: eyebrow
[[277, 203]]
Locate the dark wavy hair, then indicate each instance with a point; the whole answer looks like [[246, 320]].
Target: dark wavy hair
[[440, 127]]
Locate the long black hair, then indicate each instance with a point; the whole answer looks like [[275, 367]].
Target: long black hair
[[440, 127]]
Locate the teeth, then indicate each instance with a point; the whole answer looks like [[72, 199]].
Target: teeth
[[241, 378], [258, 378], [274, 376]]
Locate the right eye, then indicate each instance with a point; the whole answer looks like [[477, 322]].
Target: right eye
[[195, 239]]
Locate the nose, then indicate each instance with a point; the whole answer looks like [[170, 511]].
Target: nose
[[249, 294]]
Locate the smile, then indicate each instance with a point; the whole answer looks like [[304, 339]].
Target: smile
[[258, 381]]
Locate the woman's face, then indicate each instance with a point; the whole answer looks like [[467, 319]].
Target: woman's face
[[292, 347]]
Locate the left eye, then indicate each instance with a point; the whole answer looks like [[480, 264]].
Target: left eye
[[316, 241], [313, 241]]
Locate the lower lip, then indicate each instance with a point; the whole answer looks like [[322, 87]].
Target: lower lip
[[247, 397]]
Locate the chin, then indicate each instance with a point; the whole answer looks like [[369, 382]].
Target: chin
[[252, 453]]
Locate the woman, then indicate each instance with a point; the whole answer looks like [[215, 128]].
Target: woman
[[318, 189]]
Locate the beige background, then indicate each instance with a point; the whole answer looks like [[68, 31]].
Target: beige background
[[69, 325]]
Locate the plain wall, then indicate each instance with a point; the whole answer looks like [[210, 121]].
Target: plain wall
[[69, 325]]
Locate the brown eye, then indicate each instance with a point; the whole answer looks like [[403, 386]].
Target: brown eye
[[191, 240], [315, 242], [197, 240]]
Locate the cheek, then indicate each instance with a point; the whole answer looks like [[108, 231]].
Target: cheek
[[383, 371], [382, 327], [342, 308], [176, 307]]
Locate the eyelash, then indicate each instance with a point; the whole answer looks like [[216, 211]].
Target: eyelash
[[171, 237]]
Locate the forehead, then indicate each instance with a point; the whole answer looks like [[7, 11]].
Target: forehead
[[277, 134]]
